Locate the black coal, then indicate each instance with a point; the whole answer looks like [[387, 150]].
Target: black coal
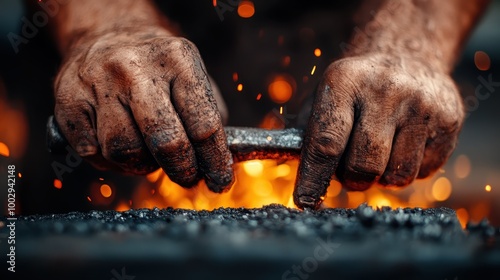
[[272, 242]]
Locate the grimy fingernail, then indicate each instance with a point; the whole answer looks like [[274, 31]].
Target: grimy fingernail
[[308, 202], [84, 149], [219, 183]]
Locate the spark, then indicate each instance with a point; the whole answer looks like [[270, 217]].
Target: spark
[[487, 188], [259, 96], [246, 9], [88, 198], [280, 89], [281, 110], [235, 76], [313, 70], [240, 87], [57, 184], [317, 52], [106, 190]]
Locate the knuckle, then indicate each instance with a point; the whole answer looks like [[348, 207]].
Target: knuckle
[[135, 160], [123, 57], [389, 83], [340, 72], [169, 146], [179, 50], [120, 149], [203, 129], [365, 166], [326, 144], [344, 65], [181, 44], [119, 153]]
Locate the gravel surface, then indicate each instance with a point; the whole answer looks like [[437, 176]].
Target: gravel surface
[[272, 242]]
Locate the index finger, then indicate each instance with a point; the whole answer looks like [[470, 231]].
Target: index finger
[[194, 100], [327, 134]]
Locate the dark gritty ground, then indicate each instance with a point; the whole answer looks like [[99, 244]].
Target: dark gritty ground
[[263, 243]]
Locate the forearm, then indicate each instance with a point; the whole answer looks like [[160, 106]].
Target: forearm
[[432, 30], [81, 19]]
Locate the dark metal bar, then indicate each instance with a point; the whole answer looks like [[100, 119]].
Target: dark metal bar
[[245, 143]]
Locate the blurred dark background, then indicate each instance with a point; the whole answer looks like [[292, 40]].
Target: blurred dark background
[[276, 44]]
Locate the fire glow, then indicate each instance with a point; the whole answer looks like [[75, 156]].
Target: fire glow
[[263, 182]]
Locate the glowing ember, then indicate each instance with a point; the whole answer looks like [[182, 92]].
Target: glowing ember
[[487, 188], [263, 182], [317, 52], [106, 190], [235, 77], [246, 9], [280, 89], [57, 184], [355, 198], [240, 87], [482, 61], [259, 96], [4, 150], [19, 175], [122, 206]]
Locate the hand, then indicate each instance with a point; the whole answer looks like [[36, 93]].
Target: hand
[[141, 98], [378, 118]]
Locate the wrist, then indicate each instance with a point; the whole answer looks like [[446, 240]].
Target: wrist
[[114, 33], [408, 29], [80, 22]]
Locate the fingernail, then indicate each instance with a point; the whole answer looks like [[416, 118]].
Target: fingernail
[[85, 149], [219, 183], [307, 202]]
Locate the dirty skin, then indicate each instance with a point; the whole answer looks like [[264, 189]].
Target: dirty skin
[[138, 96]]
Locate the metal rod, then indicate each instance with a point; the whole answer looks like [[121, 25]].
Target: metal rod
[[245, 143]]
